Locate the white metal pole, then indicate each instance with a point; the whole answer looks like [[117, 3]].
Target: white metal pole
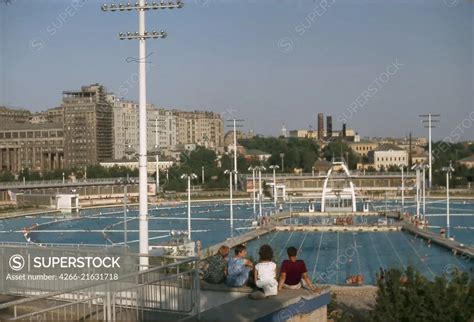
[[125, 215], [202, 174], [260, 192], [274, 188], [417, 192], [424, 193], [447, 204], [231, 206], [235, 156], [253, 191], [143, 197], [189, 207], [157, 167], [429, 151], [403, 193]]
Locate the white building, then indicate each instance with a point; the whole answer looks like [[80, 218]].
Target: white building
[[125, 119], [387, 155]]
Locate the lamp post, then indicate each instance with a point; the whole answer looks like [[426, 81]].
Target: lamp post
[[282, 157], [416, 167], [448, 171], [157, 165], [64, 178], [125, 201], [403, 191], [189, 177], [202, 174], [260, 169], [141, 6], [274, 167], [128, 151], [430, 119], [424, 167], [253, 169], [231, 173]]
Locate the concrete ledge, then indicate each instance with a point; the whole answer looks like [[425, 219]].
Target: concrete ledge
[[224, 288], [288, 304]]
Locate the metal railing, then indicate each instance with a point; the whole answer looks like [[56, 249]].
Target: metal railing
[[323, 175], [166, 292]]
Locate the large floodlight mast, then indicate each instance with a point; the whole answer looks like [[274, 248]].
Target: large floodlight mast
[[430, 119], [142, 35]]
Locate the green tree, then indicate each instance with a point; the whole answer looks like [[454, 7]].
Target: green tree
[[6, 176], [409, 296], [340, 148]]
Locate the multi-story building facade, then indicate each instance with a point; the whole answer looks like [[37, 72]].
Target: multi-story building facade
[[161, 125], [37, 147], [387, 155], [308, 134], [88, 126], [200, 127], [125, 120], [126, 128], [14, 115], [363, 147]]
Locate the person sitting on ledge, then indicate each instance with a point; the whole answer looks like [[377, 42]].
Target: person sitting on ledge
[[293, 273], [217, 266], [238, 268], [265, 274]]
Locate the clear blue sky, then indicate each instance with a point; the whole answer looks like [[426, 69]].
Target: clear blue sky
[[268, 61]]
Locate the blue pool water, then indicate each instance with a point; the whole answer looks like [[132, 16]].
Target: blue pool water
[[326, 254]]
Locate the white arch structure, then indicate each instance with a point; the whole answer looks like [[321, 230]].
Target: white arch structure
[[329, 193]]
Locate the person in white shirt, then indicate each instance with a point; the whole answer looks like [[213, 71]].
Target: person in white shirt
[[265, 274]]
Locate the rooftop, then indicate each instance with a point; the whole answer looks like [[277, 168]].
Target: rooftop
[[388, 147]]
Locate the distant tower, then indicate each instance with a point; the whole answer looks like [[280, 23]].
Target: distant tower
[[344, 130], [284, 132], [329, 126], [320, 126]]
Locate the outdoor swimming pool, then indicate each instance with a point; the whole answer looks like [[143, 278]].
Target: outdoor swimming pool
[[210, 224]]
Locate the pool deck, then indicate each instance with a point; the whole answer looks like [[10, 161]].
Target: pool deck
[[241, 239], [455, 246], [358, 228]]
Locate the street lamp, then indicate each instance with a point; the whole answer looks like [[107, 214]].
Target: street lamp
[[253, 169], [260, 169], [417, 168], [448, 170], [141, 6], [189, 177], [274, 167], [64, 179], [231, 173], [156, 153], [424, 167], [282, 157], [429, 119], [403, 190]]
